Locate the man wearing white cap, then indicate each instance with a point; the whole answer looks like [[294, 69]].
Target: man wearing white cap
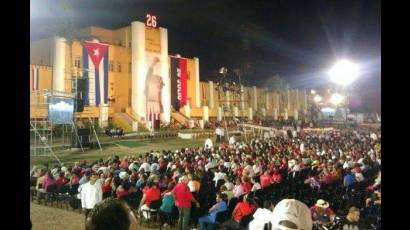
[[321, 212], [291, 214]]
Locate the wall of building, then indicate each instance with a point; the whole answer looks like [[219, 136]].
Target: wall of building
[[120, 77], [41, 52]]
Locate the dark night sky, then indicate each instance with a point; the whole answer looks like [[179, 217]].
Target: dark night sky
[[299, 40]]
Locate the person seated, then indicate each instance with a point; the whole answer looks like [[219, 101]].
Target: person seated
[[238, 188], [262, 216], [290, 214], [351, 221], [61, 180], [228, 193], [322, 213], [151, 193], [241, 209], [111, 213], [165, 211], [220, 206]]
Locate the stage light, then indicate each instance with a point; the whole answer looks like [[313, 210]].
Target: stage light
[[317, 98], [223, 70], [336, 99], [344, 72]]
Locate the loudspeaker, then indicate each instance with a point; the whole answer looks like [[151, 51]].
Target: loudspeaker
[[81, 85], [83, 138], [81, 90], [78, 105]]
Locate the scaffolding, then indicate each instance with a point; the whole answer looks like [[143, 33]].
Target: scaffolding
[[44, 135]]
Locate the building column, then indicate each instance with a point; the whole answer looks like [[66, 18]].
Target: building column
[[166, 90], [219, 117], [236, 111], [288, 97], [205, 113], [296, 114], [286, 117], [242, 98], [297, 99], [138, 69], [103, 118], [255, 99], [197, 92], [211, 94], [305, 105], [187, 110], [59, 68], [250, 114], [228, 99], [275, 114], [267, 101], [264, 112]]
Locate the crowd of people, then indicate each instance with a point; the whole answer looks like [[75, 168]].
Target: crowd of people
[[114, 132], [267, 183]]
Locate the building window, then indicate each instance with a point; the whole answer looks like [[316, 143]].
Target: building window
[[188, 75], [77, 62], [129, 67], [118, 67], [111, 66]]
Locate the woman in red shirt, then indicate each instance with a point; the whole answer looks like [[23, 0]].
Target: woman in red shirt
[[246, 184], [151, 193], [276, 176], [241, 209], [265, 179]]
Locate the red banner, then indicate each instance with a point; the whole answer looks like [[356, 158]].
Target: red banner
[[182, 78], [178, 82]]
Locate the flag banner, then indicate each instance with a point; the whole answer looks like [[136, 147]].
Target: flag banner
[[35, 79], [178, 82], [95, 61]]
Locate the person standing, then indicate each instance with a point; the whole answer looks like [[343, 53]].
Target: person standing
[[218, 134], [90, 194], [208, 143], [183, 198]]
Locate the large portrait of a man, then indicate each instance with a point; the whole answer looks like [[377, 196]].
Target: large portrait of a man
[[153, 86]]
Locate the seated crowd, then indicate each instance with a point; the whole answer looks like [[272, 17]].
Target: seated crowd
[[263, 184], [114, 132]]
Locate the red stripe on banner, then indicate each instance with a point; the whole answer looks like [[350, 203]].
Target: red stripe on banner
[[183, 78]]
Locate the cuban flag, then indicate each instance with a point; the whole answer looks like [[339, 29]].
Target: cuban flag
[[95, 60]]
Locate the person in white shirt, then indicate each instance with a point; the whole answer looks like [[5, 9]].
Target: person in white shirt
[[222, 133], [262, 216], [256, 185], [146, 166], [208, 143], [229, 185], [232, 140], [218, 176], [218, 134], [90, 194], [249, 168]]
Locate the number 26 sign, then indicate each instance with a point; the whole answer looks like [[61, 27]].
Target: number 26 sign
[[151, 20]]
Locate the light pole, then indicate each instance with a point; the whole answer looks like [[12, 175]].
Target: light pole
[[343, 73]]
